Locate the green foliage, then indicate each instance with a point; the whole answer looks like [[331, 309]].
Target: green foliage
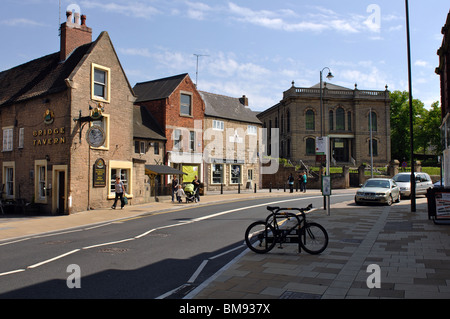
[[426, 124]]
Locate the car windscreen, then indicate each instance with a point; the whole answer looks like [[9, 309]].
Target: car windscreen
[[381, 184], [402, 178]]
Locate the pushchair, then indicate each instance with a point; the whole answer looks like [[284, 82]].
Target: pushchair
[[190, 193]]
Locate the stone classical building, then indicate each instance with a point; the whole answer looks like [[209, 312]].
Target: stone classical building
[[444, 72], [51, 108], [231, 143], [344, 118]]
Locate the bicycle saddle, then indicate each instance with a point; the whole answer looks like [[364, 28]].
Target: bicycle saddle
[[272, 208]]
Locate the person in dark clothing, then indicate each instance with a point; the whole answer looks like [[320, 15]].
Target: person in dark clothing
[[291, 183], [196, 183]]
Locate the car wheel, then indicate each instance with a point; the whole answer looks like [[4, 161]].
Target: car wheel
[[389, 201]]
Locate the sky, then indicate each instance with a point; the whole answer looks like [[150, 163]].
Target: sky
[[253, 47]]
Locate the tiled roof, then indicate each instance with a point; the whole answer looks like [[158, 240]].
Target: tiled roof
[[226, 107], [145, 125], [157, 89], [39, 77]]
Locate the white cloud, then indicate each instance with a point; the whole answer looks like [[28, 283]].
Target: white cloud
[[21, 22], [422, 63], [133, 9]]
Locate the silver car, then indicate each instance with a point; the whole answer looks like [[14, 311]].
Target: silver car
[[378, 190], [423, 182]]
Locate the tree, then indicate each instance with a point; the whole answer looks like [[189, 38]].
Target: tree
[[425, 125]]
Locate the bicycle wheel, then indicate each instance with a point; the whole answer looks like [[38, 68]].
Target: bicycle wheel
[[259, 237], [313, 238]]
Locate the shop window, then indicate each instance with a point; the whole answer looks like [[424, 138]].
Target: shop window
[[101, 83], [236, 174], [124, 177], [124, 170], [217, 173]]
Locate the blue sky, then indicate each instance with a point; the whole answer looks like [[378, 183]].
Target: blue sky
[[253, 47]]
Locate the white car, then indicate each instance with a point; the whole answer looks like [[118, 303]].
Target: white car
[[423, 182], [378, 190]]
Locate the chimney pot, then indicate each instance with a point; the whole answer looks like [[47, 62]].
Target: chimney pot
[[83, 19]]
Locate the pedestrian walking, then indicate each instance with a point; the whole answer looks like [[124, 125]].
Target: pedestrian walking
[[305, 180], [120, 190], [175, 184], [196, 183], [291, 183]]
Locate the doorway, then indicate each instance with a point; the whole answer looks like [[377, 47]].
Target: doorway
[[340, 149], [59, 192]]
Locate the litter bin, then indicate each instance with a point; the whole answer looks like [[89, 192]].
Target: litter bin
[[438, 200]]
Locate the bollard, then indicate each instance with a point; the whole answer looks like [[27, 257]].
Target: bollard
[[239, 188], [270, 187], [221, 189], [255, 188]]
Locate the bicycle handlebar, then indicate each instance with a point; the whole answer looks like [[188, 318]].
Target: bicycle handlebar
[[275, 209]]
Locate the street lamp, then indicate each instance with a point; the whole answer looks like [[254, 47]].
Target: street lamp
[[329, 77]]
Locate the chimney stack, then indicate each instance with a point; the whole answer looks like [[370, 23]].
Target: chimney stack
[[74, 34], [244, 100]]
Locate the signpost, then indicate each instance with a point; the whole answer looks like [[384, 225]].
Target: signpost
[[323, 152]]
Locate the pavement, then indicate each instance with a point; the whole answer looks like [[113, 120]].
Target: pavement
[[373, 252]]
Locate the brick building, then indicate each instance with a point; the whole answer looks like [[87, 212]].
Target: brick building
[[179, 110], [345, 118], [231, 143], [46, 107], [444, 72]]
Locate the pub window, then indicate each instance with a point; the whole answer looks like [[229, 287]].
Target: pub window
[[139, 147], [8, 179], [7, 139], [124, 177], [104, 124], [252, 130], [40, 167], [21, 137], [310, 120], [236, 174], [101, 83], [186, 105], [217, 173], [156, 148]]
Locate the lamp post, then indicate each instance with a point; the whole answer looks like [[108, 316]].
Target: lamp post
[[411, 132], [329, 77]]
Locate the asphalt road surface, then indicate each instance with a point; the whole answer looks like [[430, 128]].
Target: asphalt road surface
[[163, 255]]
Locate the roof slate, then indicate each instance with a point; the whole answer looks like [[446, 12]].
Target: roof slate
[[145, 125], [226, 107], [157, 89], [45, 75]]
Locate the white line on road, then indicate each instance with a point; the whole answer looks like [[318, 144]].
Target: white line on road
[[52, 259]]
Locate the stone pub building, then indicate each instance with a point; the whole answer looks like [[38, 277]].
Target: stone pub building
[[47, 107]]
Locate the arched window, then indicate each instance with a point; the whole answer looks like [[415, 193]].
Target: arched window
[[375, 147], [349, 121], [288, 121], [331, 120], [310, 146], [310, 120], [374, 122], [340, 119]]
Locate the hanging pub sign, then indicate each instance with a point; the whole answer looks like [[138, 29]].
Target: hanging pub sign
[[100, 173]]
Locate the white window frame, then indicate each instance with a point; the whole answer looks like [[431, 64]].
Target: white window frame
[[177, 145], [191, 108], [252, 130], [192, 141], [120, 165], [8, 138], [218, 125]]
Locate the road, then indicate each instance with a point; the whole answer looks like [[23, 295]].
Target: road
[[164, 255]]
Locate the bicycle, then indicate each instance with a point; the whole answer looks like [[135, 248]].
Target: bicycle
[[261, 236]]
